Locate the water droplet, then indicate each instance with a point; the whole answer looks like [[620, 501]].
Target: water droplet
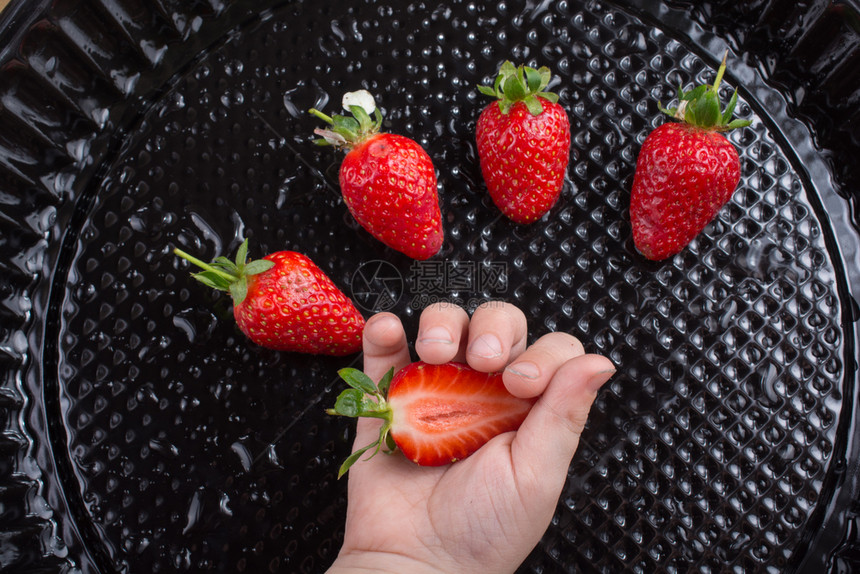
[[244, 455], [164, 448], [195, 508], [729, 314], [223, 505], [290, 106], [761, 386], [186, 327]]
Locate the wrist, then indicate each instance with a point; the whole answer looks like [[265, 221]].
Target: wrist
[[368, 562]]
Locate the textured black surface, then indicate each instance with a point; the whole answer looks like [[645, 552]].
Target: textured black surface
[[141, 432]]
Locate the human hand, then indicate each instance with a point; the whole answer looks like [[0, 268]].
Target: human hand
[[487, 512]]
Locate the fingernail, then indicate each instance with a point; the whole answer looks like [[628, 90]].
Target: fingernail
[[598, 379], [525, 369], [436, 335], [486, 347]]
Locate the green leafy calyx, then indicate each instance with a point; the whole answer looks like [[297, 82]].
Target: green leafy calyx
[[521, 84], [225, 275], [365, 398], [349, 131], [700, 106]]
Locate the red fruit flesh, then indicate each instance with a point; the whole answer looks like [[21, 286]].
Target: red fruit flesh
[[524, 157], [684, 175], [444, 413], [294, 306], [389, 185]]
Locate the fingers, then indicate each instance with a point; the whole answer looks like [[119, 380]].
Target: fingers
[[497, 333], [442, 334], [530, 373], [384, 343], [546, 441]]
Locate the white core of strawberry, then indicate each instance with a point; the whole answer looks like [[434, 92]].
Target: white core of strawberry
[[360, 98]]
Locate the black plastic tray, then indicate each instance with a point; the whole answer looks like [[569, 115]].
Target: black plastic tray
[[139, 432]]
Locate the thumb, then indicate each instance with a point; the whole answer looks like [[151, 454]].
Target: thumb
[[384, 345], [547, 440]]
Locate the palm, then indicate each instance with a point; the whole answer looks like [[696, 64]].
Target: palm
[[450, 510]]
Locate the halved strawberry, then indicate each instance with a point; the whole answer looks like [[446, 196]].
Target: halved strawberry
[[435, 414]]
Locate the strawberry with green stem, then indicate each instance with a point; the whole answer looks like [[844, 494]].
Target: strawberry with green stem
[[434, 414], [523, 143], [686, 171], [387, 180], [284, 302]]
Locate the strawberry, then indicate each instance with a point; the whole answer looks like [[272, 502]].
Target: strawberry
[[435, 414], [523, 143], [388, 181], [285, 302], [685, 172]]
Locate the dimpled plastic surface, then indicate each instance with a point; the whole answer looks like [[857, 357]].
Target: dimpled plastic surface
[[162, 440]]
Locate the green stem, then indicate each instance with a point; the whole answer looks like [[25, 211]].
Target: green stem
[[384, 415], [203, 264], [322, 116]]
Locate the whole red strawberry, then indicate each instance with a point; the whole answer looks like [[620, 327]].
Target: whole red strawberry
[[388, 181], [435, 414], [285, 302], [523, 143], [685, 172]]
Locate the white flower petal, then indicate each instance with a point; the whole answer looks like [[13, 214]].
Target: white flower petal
[[361, 98]]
